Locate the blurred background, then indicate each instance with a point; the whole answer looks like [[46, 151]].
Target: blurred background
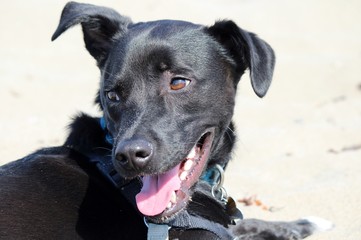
[[298, 149]]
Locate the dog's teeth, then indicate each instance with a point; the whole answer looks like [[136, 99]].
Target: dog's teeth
[[169, 205], [192, 154], [173, 198], [187, 165], [183, 176]]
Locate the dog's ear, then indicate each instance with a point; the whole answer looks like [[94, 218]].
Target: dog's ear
[[248, 51], [101, 26]]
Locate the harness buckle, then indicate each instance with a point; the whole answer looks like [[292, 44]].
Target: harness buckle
[[157, 231]]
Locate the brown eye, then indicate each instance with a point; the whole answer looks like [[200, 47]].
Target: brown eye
[[113, 96], [179, 83]]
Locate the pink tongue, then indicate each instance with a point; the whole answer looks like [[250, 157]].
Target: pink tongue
[[157, 191]]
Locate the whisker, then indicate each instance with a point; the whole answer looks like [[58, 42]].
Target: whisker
[[229, 136], [102, 148], [110, 74], [231, 130]]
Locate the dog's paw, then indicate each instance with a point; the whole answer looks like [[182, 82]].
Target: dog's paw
[[319, 224]]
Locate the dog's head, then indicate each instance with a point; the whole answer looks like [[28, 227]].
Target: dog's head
[[168, 92]]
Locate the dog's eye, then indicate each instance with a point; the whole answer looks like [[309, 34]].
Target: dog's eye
[[113, 96], [179, 83]]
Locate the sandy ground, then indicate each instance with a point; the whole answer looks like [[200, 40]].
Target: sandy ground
[[299, 148]]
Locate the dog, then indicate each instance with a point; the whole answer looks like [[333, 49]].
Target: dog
[[152, 166]]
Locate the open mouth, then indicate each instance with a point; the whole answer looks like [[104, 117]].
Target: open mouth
[[164, 195]]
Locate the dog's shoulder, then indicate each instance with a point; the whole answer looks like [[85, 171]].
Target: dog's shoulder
[[46, 185], [39, 163], [57, 169], [50, 170]]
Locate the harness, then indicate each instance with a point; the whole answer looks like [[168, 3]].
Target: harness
[[214, 176]]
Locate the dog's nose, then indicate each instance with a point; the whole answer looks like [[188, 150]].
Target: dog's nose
[[134, 153]]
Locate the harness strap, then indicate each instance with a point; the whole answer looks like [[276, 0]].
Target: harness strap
[[128, 188], [184, 220], [157, 231]]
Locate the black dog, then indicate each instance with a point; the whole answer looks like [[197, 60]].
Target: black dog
[[153, 164]]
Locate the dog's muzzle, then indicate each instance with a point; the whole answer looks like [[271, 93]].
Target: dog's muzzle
[[165, 194]]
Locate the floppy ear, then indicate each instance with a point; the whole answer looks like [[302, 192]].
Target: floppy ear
[[101, 26], [248, 51]]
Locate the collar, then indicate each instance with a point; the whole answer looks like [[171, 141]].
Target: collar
[[103, 125]]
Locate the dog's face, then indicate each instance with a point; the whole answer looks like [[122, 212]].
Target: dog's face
[[167, 92], [166, 88]]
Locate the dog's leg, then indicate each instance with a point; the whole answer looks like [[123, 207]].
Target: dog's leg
[[254, 229]]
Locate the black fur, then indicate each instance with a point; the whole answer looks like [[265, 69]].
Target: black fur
[[59, 193]]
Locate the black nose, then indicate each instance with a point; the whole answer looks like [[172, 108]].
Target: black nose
[[134, 153]]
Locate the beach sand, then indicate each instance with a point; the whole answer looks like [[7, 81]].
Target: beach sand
[[298, 149]]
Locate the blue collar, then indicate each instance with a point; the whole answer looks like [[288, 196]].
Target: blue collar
[[103, 125]]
